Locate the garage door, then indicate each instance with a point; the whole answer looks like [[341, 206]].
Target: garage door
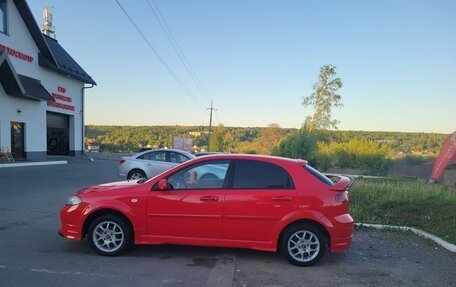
[[58, 131]]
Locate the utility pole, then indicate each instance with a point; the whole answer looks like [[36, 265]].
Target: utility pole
[[210, 126]]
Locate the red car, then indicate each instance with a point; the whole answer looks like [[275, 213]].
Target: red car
[[246, 201]]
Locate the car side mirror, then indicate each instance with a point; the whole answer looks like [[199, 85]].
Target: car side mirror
[[162, 184]]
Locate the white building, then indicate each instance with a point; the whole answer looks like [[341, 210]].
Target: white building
[[41, 89]]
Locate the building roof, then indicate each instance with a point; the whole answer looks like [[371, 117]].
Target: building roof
[[51, 54], [65, 63], [8, 77], [34, 89], [20, 85]]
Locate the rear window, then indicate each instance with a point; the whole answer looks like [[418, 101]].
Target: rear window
[[318, 175]]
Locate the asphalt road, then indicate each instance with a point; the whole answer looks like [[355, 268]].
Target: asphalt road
[[32, 254]]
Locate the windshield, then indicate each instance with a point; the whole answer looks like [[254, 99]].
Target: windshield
[[318, 175]]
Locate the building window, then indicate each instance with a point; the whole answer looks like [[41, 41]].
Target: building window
[[3, 17]]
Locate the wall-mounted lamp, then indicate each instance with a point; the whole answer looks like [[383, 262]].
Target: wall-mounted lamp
[[19, 111]]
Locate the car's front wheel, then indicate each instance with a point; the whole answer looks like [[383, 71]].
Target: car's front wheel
[[303, 245], [109, 235]]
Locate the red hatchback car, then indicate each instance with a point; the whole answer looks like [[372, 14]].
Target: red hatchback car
[[247, 201]]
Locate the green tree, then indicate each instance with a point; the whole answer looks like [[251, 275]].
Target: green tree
[[266, 142], [299, 145], [218, 142], [324, 97]]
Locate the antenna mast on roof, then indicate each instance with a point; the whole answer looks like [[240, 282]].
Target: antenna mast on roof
[[47, 28]]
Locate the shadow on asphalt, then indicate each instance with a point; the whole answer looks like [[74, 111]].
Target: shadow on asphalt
[[202, 256]]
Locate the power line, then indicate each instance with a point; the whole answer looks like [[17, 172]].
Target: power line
[[170, 35], [160, 58]]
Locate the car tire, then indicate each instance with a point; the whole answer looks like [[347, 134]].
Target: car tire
[[110, 235], [136, 174], [303, 244]]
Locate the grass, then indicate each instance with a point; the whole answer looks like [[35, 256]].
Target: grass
[[413, 203]]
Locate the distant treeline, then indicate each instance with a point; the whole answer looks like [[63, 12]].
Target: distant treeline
[[408, 147], [130, 138]]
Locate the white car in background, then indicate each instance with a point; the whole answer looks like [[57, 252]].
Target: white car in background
[[150, 163]]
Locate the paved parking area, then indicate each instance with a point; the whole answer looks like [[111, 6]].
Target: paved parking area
[[32, 254]]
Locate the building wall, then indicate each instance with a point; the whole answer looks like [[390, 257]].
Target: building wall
[[35, 123], [33, 113], [51, 81]]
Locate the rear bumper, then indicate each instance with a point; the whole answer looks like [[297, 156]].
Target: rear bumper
[[342, 233], [122, 171], [341, 244]]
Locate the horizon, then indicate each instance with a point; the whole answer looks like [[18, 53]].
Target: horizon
[[263, 127]]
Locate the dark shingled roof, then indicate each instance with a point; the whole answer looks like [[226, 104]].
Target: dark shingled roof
[[20, 85], [8, 77], [34, 89], [51, 55], [66, 64]]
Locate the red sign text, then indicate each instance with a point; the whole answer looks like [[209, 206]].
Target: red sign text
[[16, 53], [61, 106]]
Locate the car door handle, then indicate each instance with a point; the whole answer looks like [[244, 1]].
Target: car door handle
[[209, 198], [281, 198]]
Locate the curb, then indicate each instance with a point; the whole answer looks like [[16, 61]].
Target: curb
[[37, 163], [445, 244]]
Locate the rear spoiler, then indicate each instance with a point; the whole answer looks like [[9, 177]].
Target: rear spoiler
[[341, 182]]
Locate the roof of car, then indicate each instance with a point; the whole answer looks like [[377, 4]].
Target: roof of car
[[163, 149], [253, 157]]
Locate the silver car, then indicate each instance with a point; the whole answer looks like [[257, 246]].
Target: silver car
[[150, 163]]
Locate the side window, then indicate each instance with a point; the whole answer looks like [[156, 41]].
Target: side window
[[157, 155], [251, 174], [176, 157], [144, 156], [3, 17], [210, 175]]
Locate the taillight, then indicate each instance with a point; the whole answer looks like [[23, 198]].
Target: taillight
[[342, 196], [121, 161]]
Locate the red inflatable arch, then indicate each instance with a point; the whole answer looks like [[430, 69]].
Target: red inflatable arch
[[447, 156]]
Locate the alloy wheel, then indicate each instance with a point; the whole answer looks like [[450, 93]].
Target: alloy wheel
[[303, 246], [108, 236]]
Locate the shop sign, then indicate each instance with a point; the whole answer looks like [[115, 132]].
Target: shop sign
[[61, 100], [16, 53]]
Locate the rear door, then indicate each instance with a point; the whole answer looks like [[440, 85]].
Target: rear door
[[155, 162], [176, 158], [260, 195]]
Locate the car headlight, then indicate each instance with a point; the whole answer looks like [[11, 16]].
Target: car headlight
[[73, 200]]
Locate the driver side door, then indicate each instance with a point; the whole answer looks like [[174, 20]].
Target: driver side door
[[192, 205]]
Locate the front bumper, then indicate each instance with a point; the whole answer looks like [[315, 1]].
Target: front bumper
[[72, 221]]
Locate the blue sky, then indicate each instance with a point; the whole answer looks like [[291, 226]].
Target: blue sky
[[258, 59]]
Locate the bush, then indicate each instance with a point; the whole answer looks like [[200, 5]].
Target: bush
[[355, 153]]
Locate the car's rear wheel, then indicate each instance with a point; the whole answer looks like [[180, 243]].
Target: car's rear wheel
[[303, 245], [109, 235], [136, 174]]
